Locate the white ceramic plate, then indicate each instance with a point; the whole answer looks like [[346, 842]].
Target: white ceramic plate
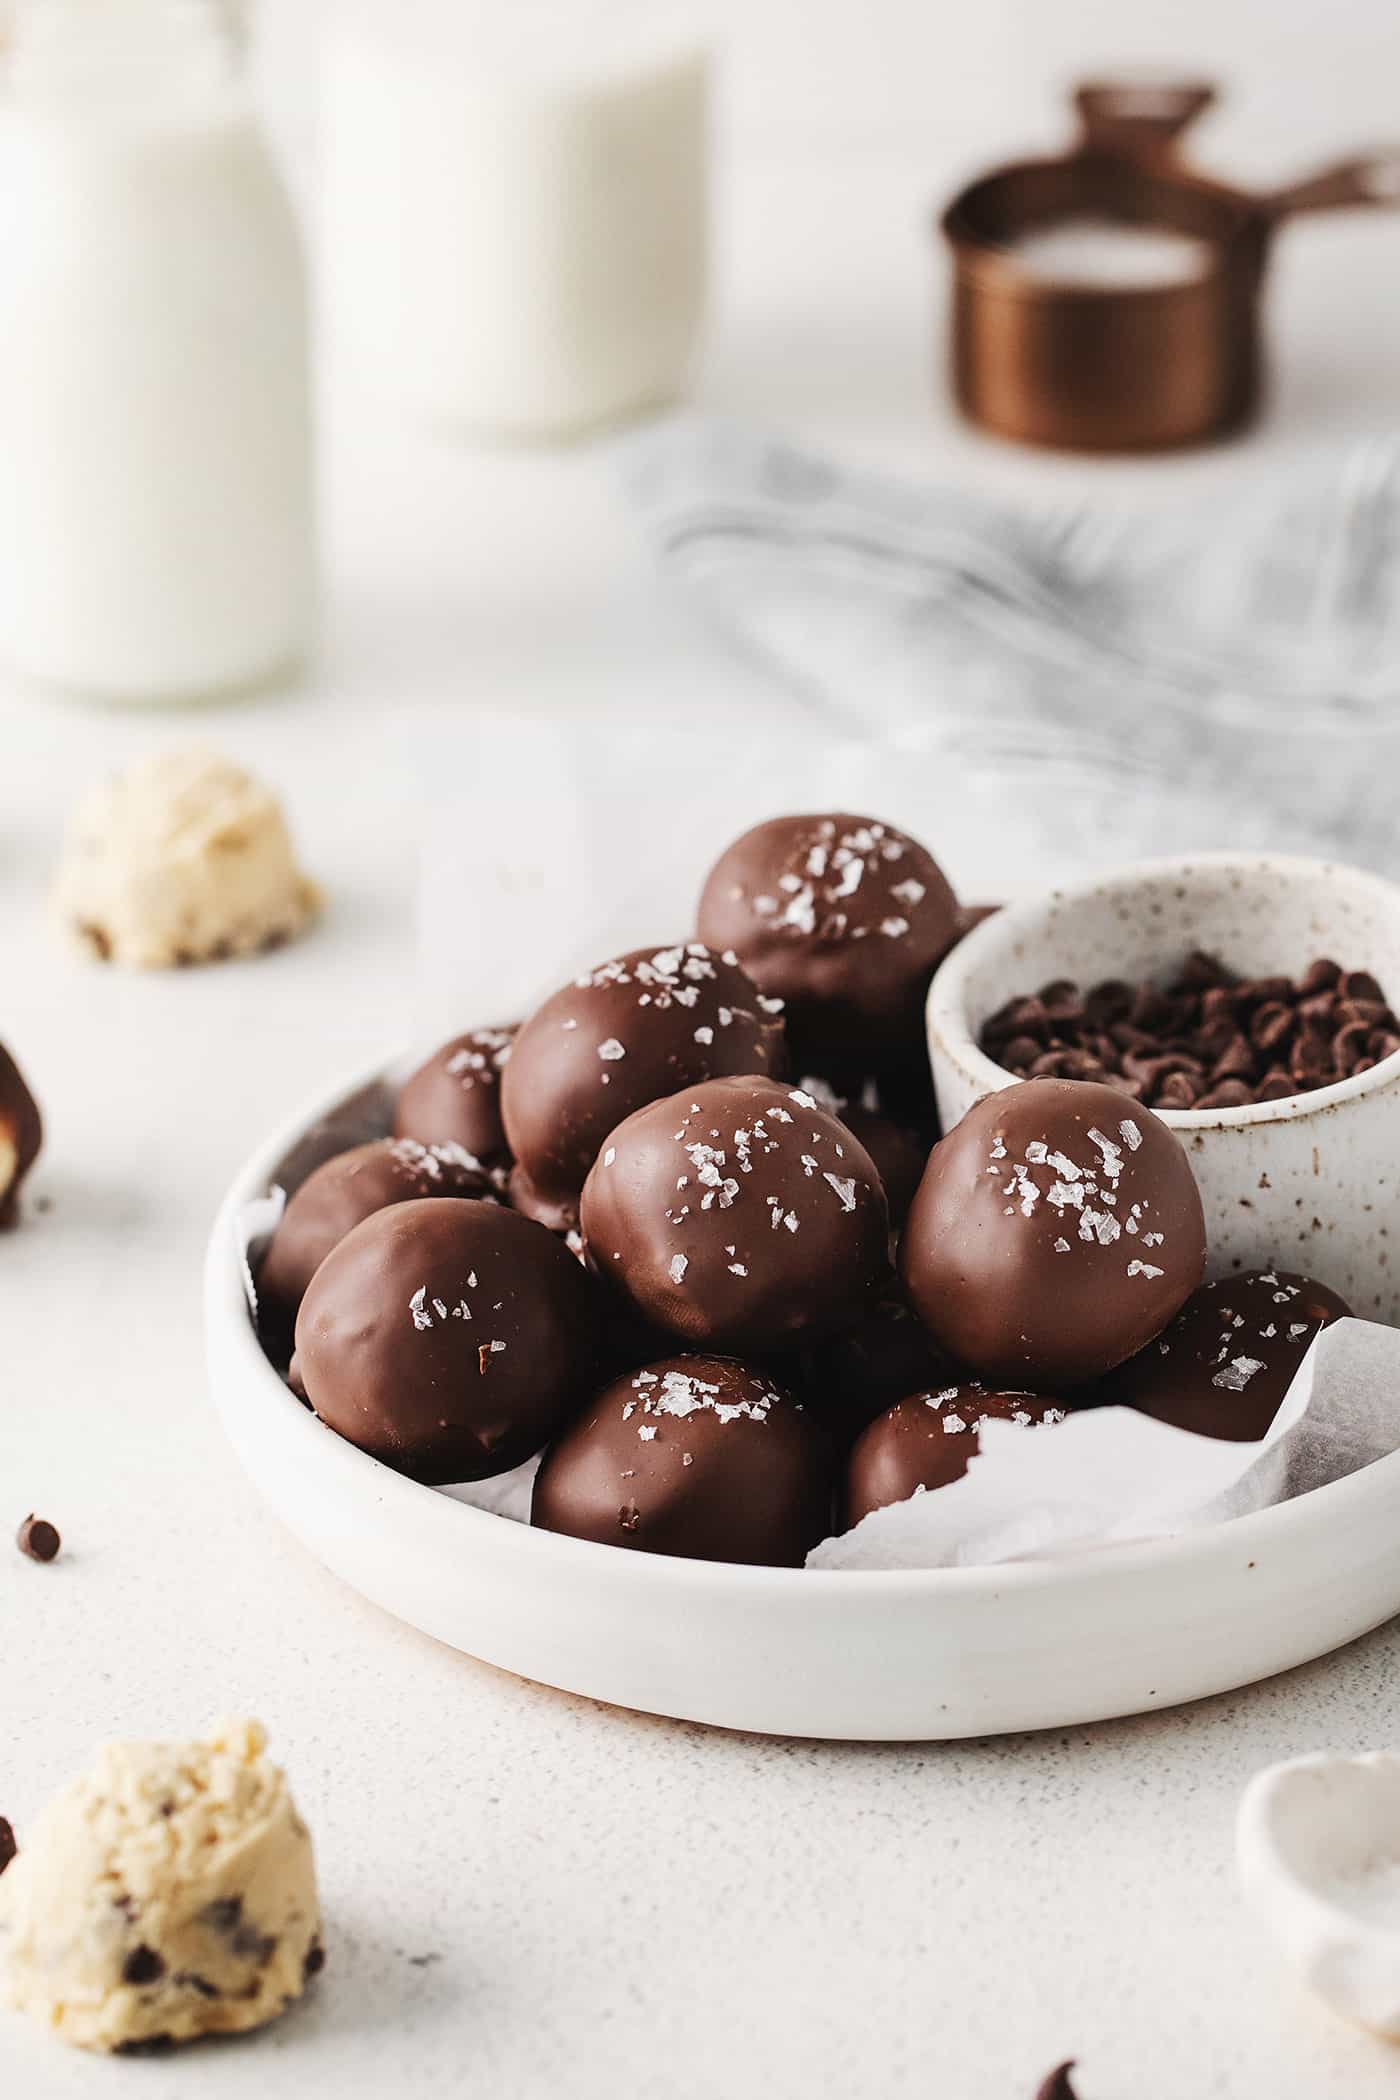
[[889, 1656]]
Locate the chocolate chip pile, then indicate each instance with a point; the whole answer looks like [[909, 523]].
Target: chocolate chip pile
[[1209, 1039]]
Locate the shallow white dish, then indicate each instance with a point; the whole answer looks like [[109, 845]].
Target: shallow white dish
[[880, 1656]]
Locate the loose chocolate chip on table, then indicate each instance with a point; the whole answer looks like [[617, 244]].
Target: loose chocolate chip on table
[[8, 1848], [38, 1538], [314, 1962], [1057, 2086]]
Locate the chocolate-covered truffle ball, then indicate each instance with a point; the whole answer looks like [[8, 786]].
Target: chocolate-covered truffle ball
[[928, 1440], [1056, 1231], [455, 1097], [621, 1035], [695, 1455], [449, 1338], [21, 1134], [334, 1199], [738, 1215], [849, 1378], [842, 917], [1224, 1365]]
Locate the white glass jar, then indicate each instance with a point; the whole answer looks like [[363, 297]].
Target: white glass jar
[[514, 207], [155, 430]]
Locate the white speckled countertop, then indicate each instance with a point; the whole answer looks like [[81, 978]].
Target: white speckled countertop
[[527, 1895]]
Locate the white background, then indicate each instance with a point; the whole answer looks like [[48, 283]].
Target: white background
[[619, 1904]]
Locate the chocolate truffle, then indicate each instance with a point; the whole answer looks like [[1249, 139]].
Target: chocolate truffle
[[843, 918], [738, 1215], [1223, 1366], [1056, 1231], [21, 1134], [849, 1378], [928, 1440], [455, 1097], [448, 1338], [334, 1199], [622, 1035], [694, 1455]]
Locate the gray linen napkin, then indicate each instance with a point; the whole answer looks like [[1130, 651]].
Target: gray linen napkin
[[1213, 674]]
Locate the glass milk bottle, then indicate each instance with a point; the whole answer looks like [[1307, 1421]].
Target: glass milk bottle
[[514, 206], [155, 447]]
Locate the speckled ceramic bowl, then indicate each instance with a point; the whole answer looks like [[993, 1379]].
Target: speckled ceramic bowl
[[1310, 1182]]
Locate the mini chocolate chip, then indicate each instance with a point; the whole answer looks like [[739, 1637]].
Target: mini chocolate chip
[[1057, 2086], [1177, 1090], [1359, 984], [251, 1945], [1231, 1093], [143, 1965], [187, 1980], [1350, 1043], [1236, 1061], [38, 1538], [314, 1962], [148, 2045], [1201, 971], [1021, 1051], [1320, 976], [1272, 1026], [8, 1848], [1373, 1012], [223, 1914], [1276, 1085]]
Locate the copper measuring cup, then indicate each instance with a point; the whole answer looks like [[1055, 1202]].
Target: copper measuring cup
[[1107, 367]]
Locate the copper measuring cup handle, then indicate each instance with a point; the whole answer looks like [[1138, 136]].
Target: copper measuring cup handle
[[1140, 119], [1366, 179]]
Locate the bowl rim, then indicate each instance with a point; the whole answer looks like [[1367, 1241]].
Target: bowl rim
[[230, 1334], [949, 1031]]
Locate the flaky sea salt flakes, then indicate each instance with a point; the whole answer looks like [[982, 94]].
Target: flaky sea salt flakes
[[953, 1424], [736, 1268], [845, 1190], [417, 1305], [611, 1050], [646, 1433], [895, 928], [611, 1154], [705, 1036], [1237, 1373], [1130, 1134], [679, 1265], [802, 1100], [1143, 1268], [1063, 1246]]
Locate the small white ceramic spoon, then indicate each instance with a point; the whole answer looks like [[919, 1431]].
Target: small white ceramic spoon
[[1318, 1844]]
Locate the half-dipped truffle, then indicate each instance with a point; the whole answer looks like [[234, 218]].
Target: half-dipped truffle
[[738, 1215], [844, 918], [449, 1338], [1056, 1231], [928, 1440], [693, 1455], [619, 1036], [1224, 1365]]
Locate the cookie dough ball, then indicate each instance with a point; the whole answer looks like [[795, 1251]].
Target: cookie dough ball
[[928, 1440], [623, 1034], [168, 1893], [1225, 1364], [842, 917], [447, 1338], [21, 1134], [185, 858], [738, 1215], [694, 1455], [1056, 1231], [338, 1196], [455, 1097]]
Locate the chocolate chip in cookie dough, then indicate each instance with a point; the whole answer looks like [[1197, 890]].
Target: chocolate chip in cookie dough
[[143, 1965], [315, 1961], [38, 1538], [8, 1848]]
